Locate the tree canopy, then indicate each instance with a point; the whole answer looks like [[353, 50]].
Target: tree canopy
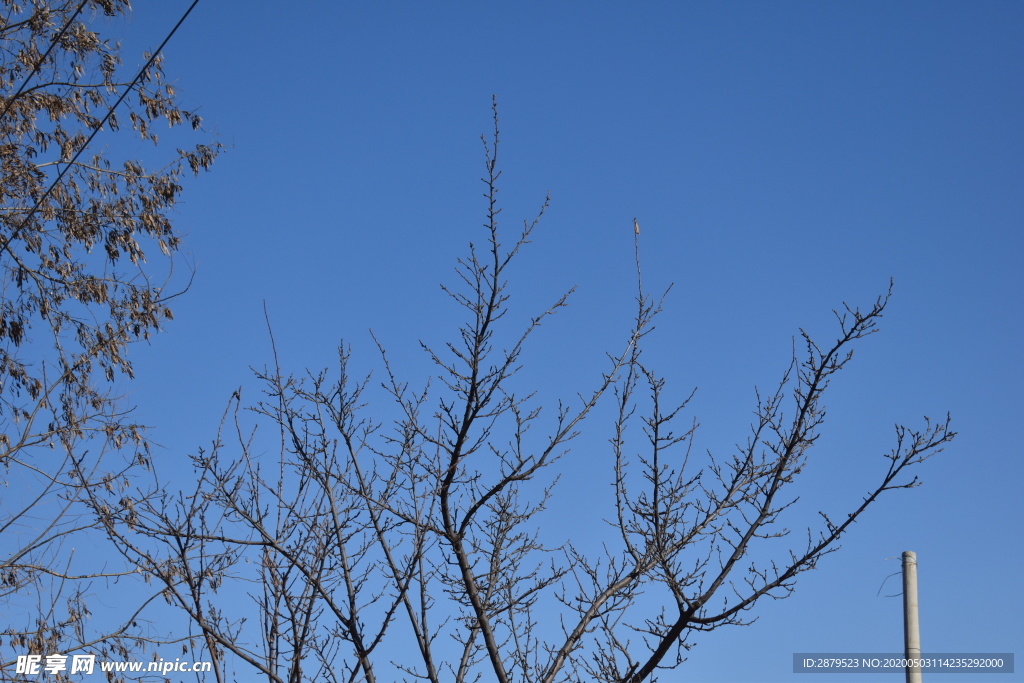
[[87, 243]]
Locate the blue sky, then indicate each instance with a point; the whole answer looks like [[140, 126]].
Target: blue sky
[[781, 158]]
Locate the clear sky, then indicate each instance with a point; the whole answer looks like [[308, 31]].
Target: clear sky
[[781, 158]]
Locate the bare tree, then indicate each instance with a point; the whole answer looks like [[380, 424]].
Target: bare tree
[[374, 549], [76, 228]]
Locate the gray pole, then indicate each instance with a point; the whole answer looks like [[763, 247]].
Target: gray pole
[[911, 627]]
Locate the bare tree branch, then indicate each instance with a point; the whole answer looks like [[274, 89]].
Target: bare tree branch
[[404, 538]]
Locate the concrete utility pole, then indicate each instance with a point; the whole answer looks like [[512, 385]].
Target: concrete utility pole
[[911, 627]]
